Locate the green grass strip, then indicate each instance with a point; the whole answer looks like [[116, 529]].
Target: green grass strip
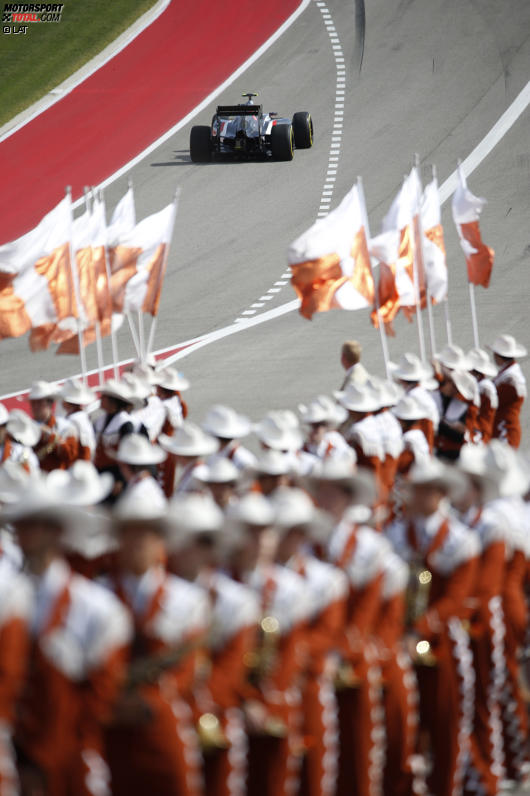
[[33, 63]]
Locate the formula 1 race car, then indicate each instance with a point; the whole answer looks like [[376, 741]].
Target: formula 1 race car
[[245, 131]]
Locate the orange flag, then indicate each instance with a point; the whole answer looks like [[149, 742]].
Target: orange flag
[[466, 212], [330, 263], [36, 284]]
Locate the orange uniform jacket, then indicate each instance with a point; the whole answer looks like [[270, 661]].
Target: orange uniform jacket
[[511, 389], [79, 633], [59, 450]]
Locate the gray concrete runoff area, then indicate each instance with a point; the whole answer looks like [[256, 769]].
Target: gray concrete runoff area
[[435, 77]]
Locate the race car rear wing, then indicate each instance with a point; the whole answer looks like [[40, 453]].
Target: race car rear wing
[[239, 110]]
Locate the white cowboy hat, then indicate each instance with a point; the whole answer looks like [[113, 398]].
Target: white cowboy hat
[[511, 469], [75, 392], [116, 389], [22, 428], [433, 472], [410, 368], [273, 462], [144, 372], [190, 514], [43, 389], [136, 449], [363, 398], [14, 481], [280, 430], [132, 508], [217, 470], [390, 393], [81, 485], [360, 483], [90, 536], [453, 357], [37, 500], [252, 509], [189, 440], [408, 408], [4, 415], [473, 462], [479, 360], [466, 385], [322, 409], [225, 423], [139, 388], [171, 379], [507, 346], [292, 507]]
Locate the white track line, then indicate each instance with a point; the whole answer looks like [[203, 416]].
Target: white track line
[[334, 152], [205, 102], [473, 160]]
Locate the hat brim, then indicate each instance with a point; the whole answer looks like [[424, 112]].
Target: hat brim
[[234, 431], [98, 491], [166, 442]]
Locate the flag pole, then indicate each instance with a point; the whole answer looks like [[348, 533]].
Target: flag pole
[[163, 270], [99, 346], [448, 330], [430, 317], [141, 336], [151, 335], [417, 297], [134, 334], [473, 314], [113, 337], [382, 331], [471, 287], [75, 280]]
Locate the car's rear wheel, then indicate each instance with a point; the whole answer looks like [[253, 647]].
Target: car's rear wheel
[[200, 144], [282, 142], [303, 130]]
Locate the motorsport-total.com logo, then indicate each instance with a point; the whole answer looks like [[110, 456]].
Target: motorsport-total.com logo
[[16, 16]]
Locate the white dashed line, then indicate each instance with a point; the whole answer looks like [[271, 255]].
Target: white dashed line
[[334, 148]]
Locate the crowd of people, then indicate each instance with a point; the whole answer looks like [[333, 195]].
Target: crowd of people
[[338, 608]]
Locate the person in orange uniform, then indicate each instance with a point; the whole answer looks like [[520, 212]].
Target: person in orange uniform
[[79, 634], [199, 544], [15, 613], [513, 483], [328, 588], [272, 693], [443, 556], [186, 449], [58, 443], [358, 551], [511, 388], [152, 745], [402, 776], [487, 627], [113, 424], [170, 383], [459, 406], [361, 429], [75, 397], [483, 369], [413, 376]]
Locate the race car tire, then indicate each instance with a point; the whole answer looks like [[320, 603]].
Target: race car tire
[[200, 146], [282, 142], [303, 130]]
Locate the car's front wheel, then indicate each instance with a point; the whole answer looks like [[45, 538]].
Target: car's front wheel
[[282, 142], [303, 130], [200, 144]]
